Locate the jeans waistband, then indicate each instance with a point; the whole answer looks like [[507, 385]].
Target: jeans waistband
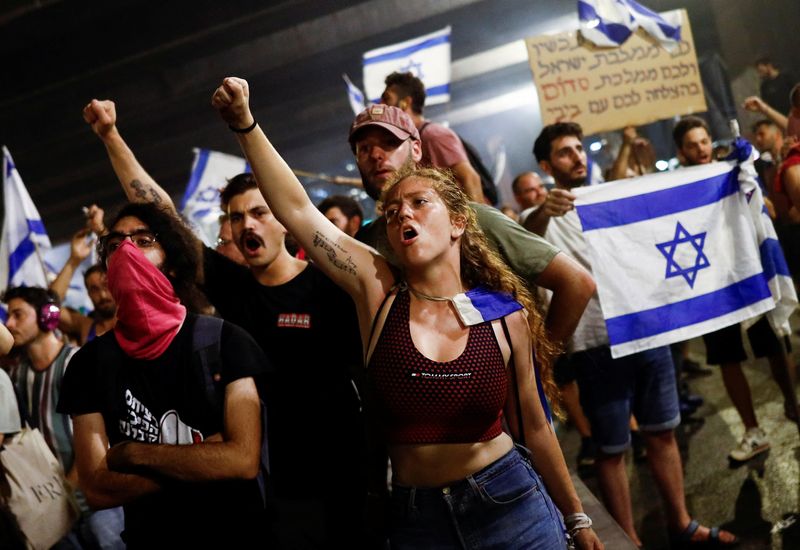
[[481, 476]]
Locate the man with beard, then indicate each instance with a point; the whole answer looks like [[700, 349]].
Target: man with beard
[[85, 328], [297, 316], [174, 395], [384, 139], [612, 389]]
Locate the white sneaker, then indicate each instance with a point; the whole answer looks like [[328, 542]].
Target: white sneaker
[[754, 442]]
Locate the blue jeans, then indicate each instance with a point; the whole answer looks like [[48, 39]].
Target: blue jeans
[[503, 506]]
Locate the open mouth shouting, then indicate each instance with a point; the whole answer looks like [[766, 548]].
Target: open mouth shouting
[[408, 235], [251, 243]]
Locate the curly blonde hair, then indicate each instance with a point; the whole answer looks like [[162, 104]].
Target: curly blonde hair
[[482, 266]]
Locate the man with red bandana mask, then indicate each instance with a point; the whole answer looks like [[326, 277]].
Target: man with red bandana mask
[[297, 316], [185, 434]]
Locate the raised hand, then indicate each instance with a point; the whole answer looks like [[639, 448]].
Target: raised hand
[[232, 100], [94, 220], [80, 248], [755, 104], [101, 116]]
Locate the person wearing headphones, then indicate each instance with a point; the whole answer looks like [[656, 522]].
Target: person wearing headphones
[[33, 316]]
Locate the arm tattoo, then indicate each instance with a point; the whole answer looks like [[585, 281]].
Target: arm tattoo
[[140, 190], [347, 264]]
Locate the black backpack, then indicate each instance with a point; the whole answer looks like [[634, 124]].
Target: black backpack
[[487, 181]]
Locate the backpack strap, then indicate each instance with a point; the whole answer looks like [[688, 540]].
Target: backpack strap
[[207, 354]]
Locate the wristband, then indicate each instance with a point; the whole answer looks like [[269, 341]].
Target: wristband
[[577, 521], [244, 130]]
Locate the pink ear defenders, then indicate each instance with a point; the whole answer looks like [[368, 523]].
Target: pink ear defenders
[[49, 316]]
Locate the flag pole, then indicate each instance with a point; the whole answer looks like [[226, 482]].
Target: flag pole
[[41, 261]]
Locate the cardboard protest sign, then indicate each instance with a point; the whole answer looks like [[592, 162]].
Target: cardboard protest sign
[[605, 89]]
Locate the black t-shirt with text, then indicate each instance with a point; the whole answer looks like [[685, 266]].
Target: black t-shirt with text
[[165, 400], [309, 331]]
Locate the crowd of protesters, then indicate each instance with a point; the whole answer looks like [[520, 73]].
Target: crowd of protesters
[[249, 396]]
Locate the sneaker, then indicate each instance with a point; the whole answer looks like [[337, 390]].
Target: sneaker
[[753, 443], [587, 453]]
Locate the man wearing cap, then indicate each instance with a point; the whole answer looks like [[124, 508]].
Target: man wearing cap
[[307, 327], [384, 139]]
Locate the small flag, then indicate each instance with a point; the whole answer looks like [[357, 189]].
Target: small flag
[[427, 57], [211, 171], [354, 95], [24, 239], [611, 22]]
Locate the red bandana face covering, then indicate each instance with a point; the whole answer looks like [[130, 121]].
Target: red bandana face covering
[[149, 314]]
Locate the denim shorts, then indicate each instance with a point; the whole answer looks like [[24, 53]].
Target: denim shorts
[[611, 389], [503, 506]]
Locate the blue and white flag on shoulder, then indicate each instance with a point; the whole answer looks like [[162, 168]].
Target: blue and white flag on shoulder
[[354, 95], [610, 23], [211, 171], [24, 240], [677, 255], [427, 57]]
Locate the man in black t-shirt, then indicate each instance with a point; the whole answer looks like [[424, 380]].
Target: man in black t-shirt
[[308, 329], [185, 434]]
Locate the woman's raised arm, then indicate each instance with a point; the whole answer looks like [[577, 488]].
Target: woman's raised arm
[[357, 268]]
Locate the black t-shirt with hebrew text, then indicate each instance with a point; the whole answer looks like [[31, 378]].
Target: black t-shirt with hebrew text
[[165, 400], [309, 331]]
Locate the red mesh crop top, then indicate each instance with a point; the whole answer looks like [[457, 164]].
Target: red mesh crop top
[[424, 401]]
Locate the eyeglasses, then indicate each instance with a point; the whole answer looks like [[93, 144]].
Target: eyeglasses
[[142, 238]]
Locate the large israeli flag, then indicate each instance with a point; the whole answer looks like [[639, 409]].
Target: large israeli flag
[[24, 240], [610, 23], [678, 255], [427, 57], [211, 171]]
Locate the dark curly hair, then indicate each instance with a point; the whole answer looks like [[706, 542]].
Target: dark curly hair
[[543, 145], [182, 261], [408, 85]]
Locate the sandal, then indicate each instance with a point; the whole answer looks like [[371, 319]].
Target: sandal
[[684, 539]]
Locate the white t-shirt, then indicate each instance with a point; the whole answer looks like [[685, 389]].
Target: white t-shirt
[[9, 413], [565, 233]]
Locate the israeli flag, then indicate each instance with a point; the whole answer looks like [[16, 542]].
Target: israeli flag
[[427, 57], [678, 254], [610, 23], [354, 95], [211, 171], [24, 240], [773, 261]]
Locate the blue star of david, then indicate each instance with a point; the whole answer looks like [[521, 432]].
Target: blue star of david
[[668, 249], [413, 68]]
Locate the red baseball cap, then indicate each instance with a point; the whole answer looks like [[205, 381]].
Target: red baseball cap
[[391, 118]]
